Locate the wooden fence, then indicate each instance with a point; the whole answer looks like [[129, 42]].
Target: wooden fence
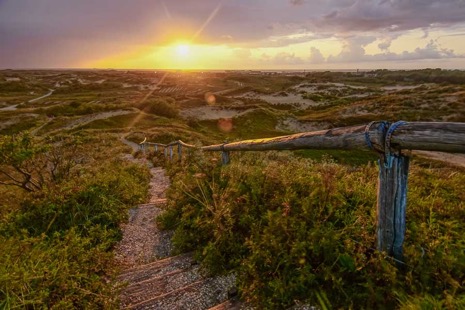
[[389, 140]]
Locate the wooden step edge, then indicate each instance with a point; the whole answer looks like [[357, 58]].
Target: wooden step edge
[[160, 277], [154, 264], [184, 288], [230, 304]]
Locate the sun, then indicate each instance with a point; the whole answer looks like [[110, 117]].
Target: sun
[[183, 50]]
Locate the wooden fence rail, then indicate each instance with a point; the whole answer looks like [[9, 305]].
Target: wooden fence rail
[[386, 139]]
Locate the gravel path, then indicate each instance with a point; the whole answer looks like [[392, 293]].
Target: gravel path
[[142, 241], [153, 278]]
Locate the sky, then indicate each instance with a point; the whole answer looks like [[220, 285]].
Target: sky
[[233, 34]]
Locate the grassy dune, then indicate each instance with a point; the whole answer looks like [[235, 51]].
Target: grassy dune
[[295, 226]]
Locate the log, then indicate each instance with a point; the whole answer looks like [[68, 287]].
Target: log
[[339, 138], [430, 136]]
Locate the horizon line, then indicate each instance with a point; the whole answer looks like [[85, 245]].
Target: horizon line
[[227, 70]]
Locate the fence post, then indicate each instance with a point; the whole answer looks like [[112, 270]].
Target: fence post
[[392, 199], [165, 151], [171, 152], [225, 157], [156, 148]]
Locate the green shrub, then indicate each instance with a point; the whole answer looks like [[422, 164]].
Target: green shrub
[[162, 107], [59, 272], [56, 246], [298, 230]]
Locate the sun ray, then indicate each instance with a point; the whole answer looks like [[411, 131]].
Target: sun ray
[[165, 8], [209, 19], [141, 113]]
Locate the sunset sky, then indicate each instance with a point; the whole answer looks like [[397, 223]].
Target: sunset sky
[[232, 34]]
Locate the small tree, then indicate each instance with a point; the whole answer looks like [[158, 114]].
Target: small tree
[[30, 165]]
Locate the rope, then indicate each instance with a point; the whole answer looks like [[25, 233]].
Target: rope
[[389, 156], [383, 127]]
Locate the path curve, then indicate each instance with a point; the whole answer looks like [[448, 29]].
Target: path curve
[[50, 92]]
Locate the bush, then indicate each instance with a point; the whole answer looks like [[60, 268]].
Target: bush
[[162, 107], [297, 230], [56, 248]]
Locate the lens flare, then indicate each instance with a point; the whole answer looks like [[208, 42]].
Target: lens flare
[[210, 99], [225, 124]]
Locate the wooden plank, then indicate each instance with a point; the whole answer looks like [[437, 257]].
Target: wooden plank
[[392, 204]]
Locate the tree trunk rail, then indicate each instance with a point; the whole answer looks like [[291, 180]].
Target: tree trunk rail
[[386, 139]]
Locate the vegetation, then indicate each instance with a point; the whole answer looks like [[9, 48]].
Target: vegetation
[[300, 230], [294, 227], [57, 233], [162, 107]]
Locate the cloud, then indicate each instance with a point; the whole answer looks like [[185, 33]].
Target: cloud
[[70, 31], [285, 58], [242, 53], [316, 57], [297, 2], [393, 15], [353, 52]]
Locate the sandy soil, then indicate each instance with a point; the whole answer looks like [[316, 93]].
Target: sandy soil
[[451, 158], [90, 118], [42, 97], [292, 124], [211, 113], [10, 108], [275, 99]]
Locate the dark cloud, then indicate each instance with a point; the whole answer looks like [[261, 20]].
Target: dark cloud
[[394, 15]]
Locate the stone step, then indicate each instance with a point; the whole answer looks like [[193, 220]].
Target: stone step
[[200, 295], [157, 268], [151, 288]]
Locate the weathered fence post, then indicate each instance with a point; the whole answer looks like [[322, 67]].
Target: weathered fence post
[[392, 199], [156, 147], [179, 151], [225, 157], [171, 152]]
